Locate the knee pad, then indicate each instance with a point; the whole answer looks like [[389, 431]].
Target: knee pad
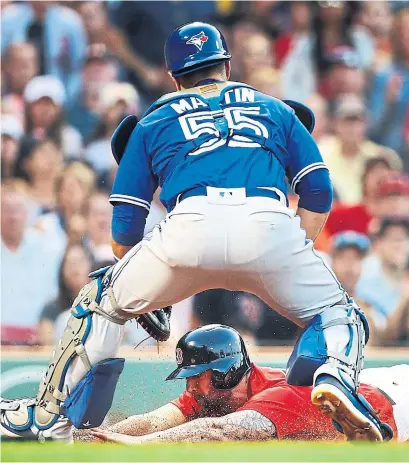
[[336, 336], [309, 354], [91, 399]]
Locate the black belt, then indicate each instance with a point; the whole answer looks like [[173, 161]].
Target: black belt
[[250, 192]]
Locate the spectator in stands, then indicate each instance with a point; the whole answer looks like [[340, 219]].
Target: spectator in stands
[[397, 329], [238, 38], [334, 50], [76, 264], [98, 216], [347, 151], [299, 75], [389, 97], [43, 165], [29, 269], [391, 200], [377, 18], [319, 107], [99, 69], [333, 28], [348, 252], [56, 31], [266, 80], [11, 133], [382, 281], [385, 194], [256, 53], [145, 25], [270, 17], [117, 101], [394, 193], [349, 248], [358, 217], [45, 97], [20, 65], [138, 20], [300, 23], [343, 76], [67, 224], [100, 31]]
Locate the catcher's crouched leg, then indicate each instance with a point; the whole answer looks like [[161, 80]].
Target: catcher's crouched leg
[[79, 385], [329, 355]]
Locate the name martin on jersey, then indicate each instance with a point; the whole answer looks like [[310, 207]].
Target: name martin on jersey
[[235, 95]]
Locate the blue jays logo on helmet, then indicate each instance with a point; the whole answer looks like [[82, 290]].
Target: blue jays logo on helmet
[[194, 46], [198, 40]]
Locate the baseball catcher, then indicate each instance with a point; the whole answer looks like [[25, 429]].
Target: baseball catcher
[[224, 155]]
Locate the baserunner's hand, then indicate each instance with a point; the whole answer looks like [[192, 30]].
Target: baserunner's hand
[[113, 436]]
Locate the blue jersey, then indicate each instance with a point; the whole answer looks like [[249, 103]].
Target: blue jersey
[[179, 145]]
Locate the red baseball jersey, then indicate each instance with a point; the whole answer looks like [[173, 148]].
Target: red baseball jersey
[[290, 408]]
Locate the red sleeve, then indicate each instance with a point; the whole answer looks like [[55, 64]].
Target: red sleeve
[[292, 413], [187, 405]]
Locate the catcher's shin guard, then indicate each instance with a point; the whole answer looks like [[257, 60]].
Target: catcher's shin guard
[[329, 355], [100, 379], [53, 398], [333, 341]]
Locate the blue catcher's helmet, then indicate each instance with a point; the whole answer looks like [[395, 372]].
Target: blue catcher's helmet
[[194, 46]]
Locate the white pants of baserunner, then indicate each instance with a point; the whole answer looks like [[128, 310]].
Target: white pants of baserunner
[[395, 382]]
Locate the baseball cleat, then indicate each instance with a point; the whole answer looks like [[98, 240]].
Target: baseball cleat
[[350, 414]]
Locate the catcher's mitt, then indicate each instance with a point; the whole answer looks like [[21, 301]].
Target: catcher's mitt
[[156, 323]]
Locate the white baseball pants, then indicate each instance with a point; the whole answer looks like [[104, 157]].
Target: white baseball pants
[[250, 244]]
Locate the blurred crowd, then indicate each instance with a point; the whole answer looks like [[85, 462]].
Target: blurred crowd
[[72, 70]]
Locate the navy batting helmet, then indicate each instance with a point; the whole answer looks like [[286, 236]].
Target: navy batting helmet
[[218, 348], [194, 46]]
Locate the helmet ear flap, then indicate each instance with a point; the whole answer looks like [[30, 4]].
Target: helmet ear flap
[[219, 380], [231, 378]]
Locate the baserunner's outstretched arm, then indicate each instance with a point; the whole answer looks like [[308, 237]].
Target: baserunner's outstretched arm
[[243, 425]]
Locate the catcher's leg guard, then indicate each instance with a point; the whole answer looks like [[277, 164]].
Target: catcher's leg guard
[[333, 343], [78, 384], [329, 355]]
